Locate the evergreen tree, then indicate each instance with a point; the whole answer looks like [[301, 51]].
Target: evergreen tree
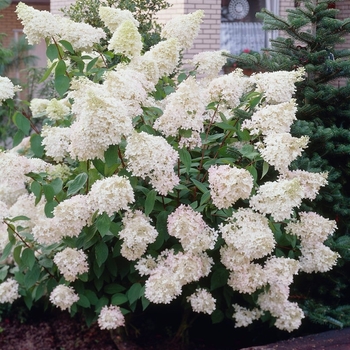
[[310, 37]]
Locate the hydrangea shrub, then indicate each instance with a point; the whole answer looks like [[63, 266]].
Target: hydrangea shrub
[[149, 183]]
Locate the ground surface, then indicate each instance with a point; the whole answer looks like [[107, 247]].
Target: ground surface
[[59, 331]]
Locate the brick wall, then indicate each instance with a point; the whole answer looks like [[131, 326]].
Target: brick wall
[[56, 5], [9, 22], [208, 38]]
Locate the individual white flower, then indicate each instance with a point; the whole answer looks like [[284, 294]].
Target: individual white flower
[[317, 258], [102, 119], [155, 160], [184, 28], [202, 301], [310, 182], [311, 228], [249, 233], [57, 109], [228, 184], [247, 278], [7, 89], [9, 291], [280, 150], [81, 36], [166, 55], [244, 317], [174, 271], [272, 119], [126, 40], [278, 198], [189, 227], [110, 317], [13, 179], [228, 88], [209, 63], [137, 233], [277, 86], [291, 319], [38, 25], [232, 258], [38, 107], [47, 231], [71, 262], [56, 141], [111, 195], [114, 17], [63, 297], [184, 109], [73, 214], [280, 272]]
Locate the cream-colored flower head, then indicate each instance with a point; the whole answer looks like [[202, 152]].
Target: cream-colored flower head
[[184, 28], [113, 17], [126, 40], [38, 25], [7, 89]]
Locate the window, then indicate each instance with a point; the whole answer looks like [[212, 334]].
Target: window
[[240, 29]]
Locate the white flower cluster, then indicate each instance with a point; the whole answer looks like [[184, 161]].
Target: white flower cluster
[[279, 86], [155, 159], [184, 110], [137, 233], [313, 230], [244, 317], [39, 25], [202, 301], [71, 262], [110, 317], [111, 194], [228, 184], [9, 291], [7, 89], [63, 297], [170, 272], [189, 227], [184, 28]]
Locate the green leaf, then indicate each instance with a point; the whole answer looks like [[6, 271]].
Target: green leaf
[[134, 292], [49, 192], [185, 158], [36, 188], [103, 223], [91, 64], [48, 72], [17, 138], [253, 172], [17, 255], [83, 301], [28, 258], [265, 169], [118, 299], [101, 252], [56, 185], [113, 288], [49, 207], [217, 316], [67, 45], [6, 251], [205, 198], [3, 272], [91, 295], [60, 68], [52, 52], [111, 155], [62, 83], [149, 202], [36, 146], [219, 278], [199, 185], [31, 276], [249, 152], [77, 184], [21, 122]]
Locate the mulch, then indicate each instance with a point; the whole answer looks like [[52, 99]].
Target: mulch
[[62, 332]]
